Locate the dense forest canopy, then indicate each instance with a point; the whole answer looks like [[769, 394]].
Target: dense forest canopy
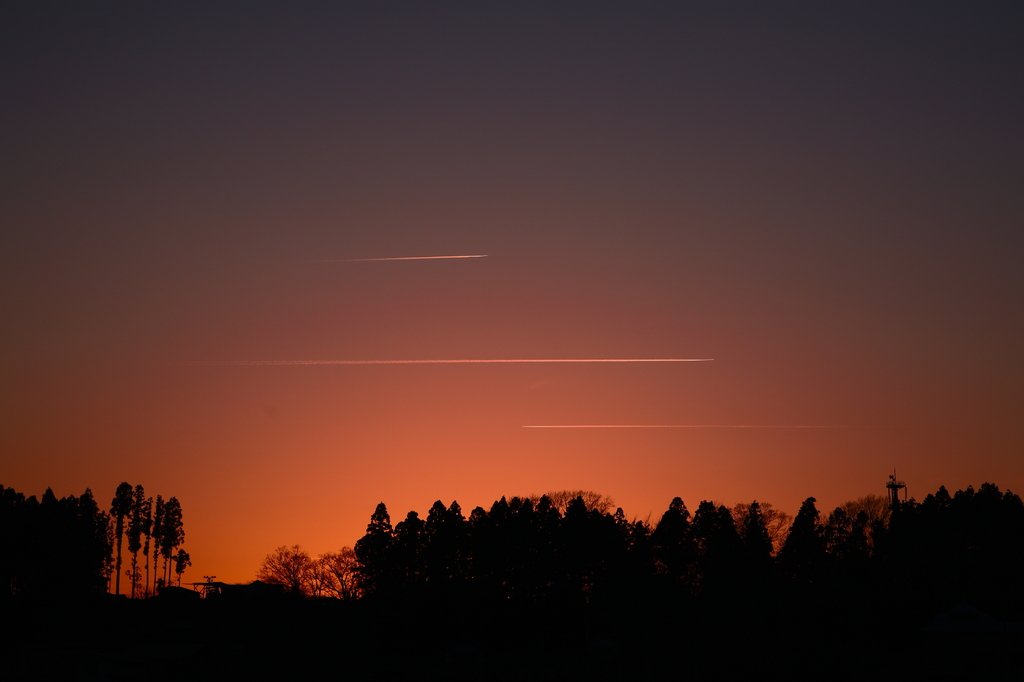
[[934, 553], [70, 546], [524, 575], [937, 552]]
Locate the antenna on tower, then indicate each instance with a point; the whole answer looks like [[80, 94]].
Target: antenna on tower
[[894, 486]]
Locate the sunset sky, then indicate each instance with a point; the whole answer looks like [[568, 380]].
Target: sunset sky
[[826, 200]]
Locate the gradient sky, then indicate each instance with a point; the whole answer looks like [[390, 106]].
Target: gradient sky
[[826, 198]]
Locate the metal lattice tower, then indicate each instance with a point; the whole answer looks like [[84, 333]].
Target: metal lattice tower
[[894, 486]]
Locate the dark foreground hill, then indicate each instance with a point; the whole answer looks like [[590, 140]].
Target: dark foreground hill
[[801, 636]]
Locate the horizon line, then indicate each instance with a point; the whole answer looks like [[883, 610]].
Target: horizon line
[[430, 362], [364, 260]]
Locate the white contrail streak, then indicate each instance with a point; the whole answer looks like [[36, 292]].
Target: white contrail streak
[[682, 426], [426, 362], [365, 260]]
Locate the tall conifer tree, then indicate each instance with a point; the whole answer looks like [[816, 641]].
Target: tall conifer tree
[[374, 550], [120, 507], [158, 535], [147, 532], [672, 539], [173, 534], [136, 525], [804, 550]]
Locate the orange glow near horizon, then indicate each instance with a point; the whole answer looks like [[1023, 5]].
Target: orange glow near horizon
[[622, 206]]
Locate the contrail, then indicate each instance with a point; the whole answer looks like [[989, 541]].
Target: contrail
[[682, 426], [364, 260], [426, 362]]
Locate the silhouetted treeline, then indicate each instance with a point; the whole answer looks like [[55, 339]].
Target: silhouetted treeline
[[51, 546], [946, 549], [525, 591], [530, 553], [69, 546], [965, 547], [147, 526]]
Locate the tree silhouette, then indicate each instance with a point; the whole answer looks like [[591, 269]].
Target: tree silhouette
[[876, 508], [317, 581], [964, 547], [136, 528], [718, 546], [12, 540], [525, 556], [777, 522], [147, 532], [49, 540], [286, 566], [171, 536], [494, 554], [374, 551], [836, 532], [578, 551], [804, 550], [157, 533], [438, 548], [343, 568], [92, 547], [443, 535], [757, 543], [120, 507], [756, 562], [672, 539], [560, 500], [181, 561], [54, 547], [408, 550]]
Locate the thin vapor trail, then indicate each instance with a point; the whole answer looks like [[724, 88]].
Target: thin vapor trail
[[682, 426], [364, 260], [427, 362]]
